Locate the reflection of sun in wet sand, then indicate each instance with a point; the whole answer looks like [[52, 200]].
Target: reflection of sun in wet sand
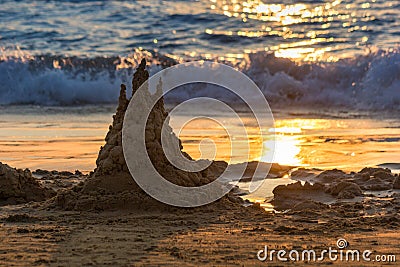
[[325, 143], [288, 142], [349, 144], [287, 146], [287, 149]]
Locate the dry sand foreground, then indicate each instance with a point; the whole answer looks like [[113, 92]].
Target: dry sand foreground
[[104, 218], [205, 237]]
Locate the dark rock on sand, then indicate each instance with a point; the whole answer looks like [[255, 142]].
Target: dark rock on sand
[[41, 172], [345, 190], [376, 184], [288, 196], [337, 184], [361, 177], [384, 175], [284, 190], [371, 171], [374, 179], [309, 205], [19, 186], [275, 170], [396, 183], [330, 176], [302, 174]]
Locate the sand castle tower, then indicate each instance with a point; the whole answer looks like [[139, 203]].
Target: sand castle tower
[[110, 184], [111, 159]]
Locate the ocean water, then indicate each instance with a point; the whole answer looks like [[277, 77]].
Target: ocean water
[[309, 54], [329, 69], [205, 28]]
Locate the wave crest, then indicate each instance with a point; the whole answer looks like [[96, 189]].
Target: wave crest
[[368, 82]]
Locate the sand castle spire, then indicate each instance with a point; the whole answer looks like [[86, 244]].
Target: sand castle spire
[[111, 178], [111, 159], [141, 75]]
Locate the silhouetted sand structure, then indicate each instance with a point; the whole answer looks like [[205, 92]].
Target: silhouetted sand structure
[[19, 186], [110, 185]]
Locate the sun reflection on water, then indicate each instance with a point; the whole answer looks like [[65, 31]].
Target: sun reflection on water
[[286, 152], [285, 20], [289, 142], [304, 142]]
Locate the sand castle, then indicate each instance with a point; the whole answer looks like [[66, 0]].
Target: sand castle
[[110, 185]]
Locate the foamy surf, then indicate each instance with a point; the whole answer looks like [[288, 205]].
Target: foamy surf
[[370, 82]]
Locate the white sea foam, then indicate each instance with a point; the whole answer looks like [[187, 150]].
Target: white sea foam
[[369, 82]]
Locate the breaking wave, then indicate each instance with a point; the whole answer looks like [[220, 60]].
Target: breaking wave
[[368, 82]]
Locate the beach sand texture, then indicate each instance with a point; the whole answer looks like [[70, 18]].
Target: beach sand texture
[[52, 218]]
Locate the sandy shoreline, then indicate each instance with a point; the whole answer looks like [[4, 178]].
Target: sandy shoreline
[[306, 217], [209, 237], [53, 218], [220, 234]]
